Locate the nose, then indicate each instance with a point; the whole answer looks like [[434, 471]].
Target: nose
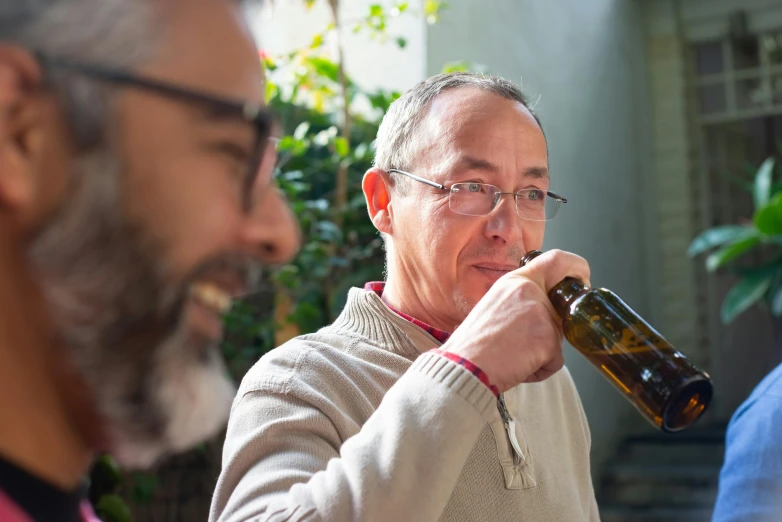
[[272, 231], [503, 223]]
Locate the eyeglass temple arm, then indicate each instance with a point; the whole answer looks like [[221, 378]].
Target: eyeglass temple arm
[[417, 178], [557, 197], [252, 112]]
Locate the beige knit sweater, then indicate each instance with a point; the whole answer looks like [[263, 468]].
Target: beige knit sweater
[[358, 422]]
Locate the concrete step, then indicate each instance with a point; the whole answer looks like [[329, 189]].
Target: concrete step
[[697, 447], [679, 453], [647, 486], [663, 514]]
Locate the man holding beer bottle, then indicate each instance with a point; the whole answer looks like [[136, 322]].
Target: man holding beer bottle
[[439, 394]]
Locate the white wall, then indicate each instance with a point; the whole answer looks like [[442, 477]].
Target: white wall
[[585, 59]]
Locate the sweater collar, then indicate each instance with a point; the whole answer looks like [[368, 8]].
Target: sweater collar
[[366, 314], [379, 286]]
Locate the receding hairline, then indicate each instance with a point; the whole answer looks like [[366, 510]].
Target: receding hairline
[[394, 142], [425, 115], [522, 103]]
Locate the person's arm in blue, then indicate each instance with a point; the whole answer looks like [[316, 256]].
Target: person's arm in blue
[[751, 478]]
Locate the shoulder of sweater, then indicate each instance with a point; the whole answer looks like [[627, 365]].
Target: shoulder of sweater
[[290, 362], [313, 361]]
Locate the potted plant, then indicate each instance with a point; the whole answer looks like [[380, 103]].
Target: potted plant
[[756, 284]]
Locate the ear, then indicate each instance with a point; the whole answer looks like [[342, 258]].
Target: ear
[[376, 187], [27, 191]]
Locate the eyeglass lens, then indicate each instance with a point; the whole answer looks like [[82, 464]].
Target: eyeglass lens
[[479, 199]]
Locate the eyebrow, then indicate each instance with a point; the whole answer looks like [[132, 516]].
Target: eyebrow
[[471, 163], [536, 173]]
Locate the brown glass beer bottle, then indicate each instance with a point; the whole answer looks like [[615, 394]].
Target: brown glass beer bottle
[[657, 379]]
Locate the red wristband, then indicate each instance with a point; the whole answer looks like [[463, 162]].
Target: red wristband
[[470, 366]]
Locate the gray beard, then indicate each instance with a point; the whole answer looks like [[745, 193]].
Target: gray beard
[[157, 387]]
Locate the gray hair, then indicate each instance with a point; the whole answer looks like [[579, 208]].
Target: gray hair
[[395, 146], [116, 32], [120, 33]]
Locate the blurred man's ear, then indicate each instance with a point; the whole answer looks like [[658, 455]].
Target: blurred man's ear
[[377, 191], [33, 144]]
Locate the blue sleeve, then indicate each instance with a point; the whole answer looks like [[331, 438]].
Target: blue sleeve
[[750, 487]]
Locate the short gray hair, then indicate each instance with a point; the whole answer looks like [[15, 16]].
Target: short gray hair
[[116, 32], [395, 144], [119, 33]]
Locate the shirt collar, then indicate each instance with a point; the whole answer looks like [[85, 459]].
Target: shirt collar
[[378, 286]]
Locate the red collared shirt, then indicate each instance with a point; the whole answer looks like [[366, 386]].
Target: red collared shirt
[[440, 335]]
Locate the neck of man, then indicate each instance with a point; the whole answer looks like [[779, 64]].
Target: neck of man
[[38, 434], [407, 291]]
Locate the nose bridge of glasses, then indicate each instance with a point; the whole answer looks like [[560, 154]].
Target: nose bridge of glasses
[[497, 199]]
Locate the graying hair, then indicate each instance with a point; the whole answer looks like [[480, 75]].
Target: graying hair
[[115, 32], [395, 146], [120, 33]]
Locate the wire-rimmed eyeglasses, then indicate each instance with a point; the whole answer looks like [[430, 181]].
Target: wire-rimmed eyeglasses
[[255, 114], [480, 199]]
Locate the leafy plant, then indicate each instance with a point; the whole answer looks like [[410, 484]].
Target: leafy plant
[[755, 283], [110, 489], [329, 124]]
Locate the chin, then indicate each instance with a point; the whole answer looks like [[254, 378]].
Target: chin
[[187, 401], [467, 298]]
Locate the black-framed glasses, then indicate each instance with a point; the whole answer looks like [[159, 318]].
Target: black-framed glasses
[[255, 114], [480, 199]]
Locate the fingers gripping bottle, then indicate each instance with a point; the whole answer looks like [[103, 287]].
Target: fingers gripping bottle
[[658, 380]]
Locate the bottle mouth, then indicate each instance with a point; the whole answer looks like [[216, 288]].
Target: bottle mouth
[[529, 256], [688, 404]]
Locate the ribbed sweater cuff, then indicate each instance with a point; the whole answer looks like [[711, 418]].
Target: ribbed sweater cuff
[[458, 379]]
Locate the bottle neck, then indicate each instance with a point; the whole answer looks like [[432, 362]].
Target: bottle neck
[[565, 293]]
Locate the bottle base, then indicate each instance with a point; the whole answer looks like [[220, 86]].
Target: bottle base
[[687, 406]]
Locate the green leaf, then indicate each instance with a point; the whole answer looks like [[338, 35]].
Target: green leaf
[[400, 7], [324, 67], [432, 9], [329, 232], [342, 146], [361, 150], [730, 252], [111, 508], [461, 66], [401, 42], [763, 179], [768, 218], [317, 41], [272, 91], [718, 236], [322, 138], [376, 10], [109, 468], [301, 130], [742, 295], [144, 487], [318, 204]]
